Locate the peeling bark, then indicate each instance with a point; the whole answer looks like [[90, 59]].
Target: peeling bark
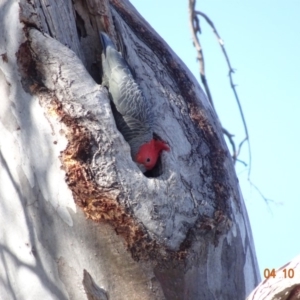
[[282, 283], [181, 232]]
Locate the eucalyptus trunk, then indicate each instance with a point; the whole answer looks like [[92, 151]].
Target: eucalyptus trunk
[[79, 219]]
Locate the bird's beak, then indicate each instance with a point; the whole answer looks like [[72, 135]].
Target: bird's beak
[[141, 167]]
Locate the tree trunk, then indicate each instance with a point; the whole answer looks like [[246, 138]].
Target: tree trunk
[[180, 231]]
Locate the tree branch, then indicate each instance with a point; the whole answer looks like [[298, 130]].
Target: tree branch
[[195, 27]]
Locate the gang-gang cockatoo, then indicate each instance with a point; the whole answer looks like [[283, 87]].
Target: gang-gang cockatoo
[[132, 111]]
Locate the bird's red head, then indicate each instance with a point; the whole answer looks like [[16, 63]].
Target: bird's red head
[[149, 153]]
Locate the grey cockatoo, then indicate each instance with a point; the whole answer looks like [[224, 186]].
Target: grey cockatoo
[[132, 112]]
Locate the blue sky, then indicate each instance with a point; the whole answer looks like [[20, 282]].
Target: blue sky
[[262, 39]]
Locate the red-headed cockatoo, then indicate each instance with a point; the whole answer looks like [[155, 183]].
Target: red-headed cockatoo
[[132, 112]]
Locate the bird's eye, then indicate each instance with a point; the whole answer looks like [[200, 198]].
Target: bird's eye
[[148, 160]]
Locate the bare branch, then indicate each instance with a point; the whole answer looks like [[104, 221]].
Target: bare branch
[[231, 71], [195, 27], [232, 143], [267, 200], [242, 162]]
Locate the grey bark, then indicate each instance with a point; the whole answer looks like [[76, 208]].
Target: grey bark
[[181, 232]]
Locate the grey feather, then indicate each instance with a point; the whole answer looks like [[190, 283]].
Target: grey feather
[[131, 110]]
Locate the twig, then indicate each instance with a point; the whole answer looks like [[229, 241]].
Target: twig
[[232, 143], [242, 162], [231, 71], [195, 27], [267, 200]]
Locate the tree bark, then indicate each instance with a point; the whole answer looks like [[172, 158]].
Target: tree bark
[[179, 232], [280, 284]]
